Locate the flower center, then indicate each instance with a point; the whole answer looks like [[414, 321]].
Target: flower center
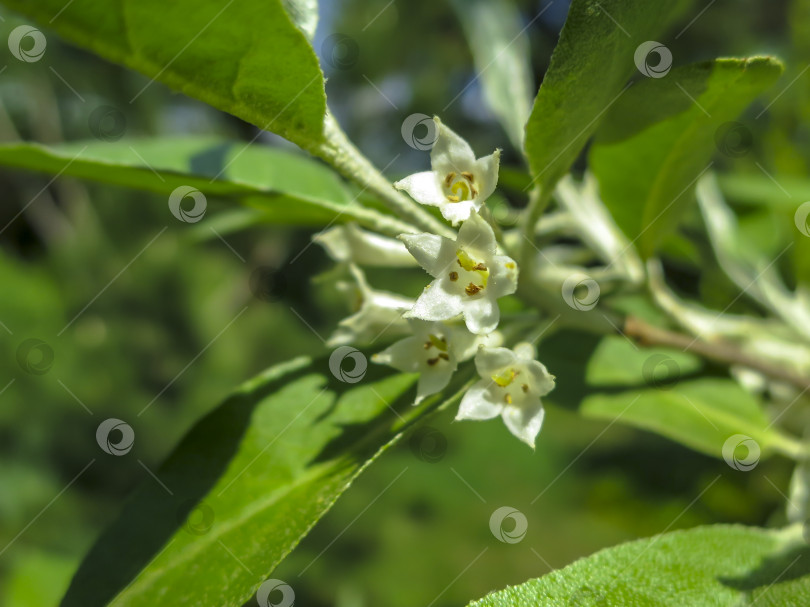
[[476, 273], [461, 186], [440, 343], [504, 380]]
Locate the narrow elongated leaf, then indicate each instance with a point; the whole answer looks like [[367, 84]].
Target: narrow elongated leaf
[[284, 187], [500, 48], [714, 565], [660, 136], [244, 57], [247, 482], [702, 414], [589, 69]]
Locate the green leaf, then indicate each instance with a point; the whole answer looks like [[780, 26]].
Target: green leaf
[[284, 187], [616, 361], [588, 72], [718, 565], [501, 54], [703, 414], [246, 58], [660, 136], [247, 482]]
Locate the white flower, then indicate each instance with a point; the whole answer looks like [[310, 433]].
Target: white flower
[[434, 351], [511, 386], [378, 312], [458, 183], [469, 274], [353, 244]]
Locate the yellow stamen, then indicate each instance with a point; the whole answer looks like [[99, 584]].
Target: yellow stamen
[[453, 276], [469, 264], [505, 378], [440, 343], [468, 176], [471, 289]]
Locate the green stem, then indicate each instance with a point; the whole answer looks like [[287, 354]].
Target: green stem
[[538, 201], [343, 155]]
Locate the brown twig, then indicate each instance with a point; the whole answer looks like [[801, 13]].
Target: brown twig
[[722, 352]]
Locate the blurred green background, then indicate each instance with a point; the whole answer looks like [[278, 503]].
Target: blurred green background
[[169, 329]]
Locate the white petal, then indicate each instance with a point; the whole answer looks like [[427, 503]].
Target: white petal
[[434, 380], [436, 304], [450, 153], [525, 423], [525, 351], [503, 275], [542, 380], [351, 243], [401, 355], [477, 403], [491, 360], [434, 253], [481, 315], [476, 234], [486, 172], [454, 212], [423, 187]]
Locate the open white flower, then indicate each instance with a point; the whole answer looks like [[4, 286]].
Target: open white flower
[[433, 351], [378, 312], [469, 275], [458, 183], [350, 243], [511, 386]]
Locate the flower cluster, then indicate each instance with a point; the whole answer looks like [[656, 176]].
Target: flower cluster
[[457, 315]]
